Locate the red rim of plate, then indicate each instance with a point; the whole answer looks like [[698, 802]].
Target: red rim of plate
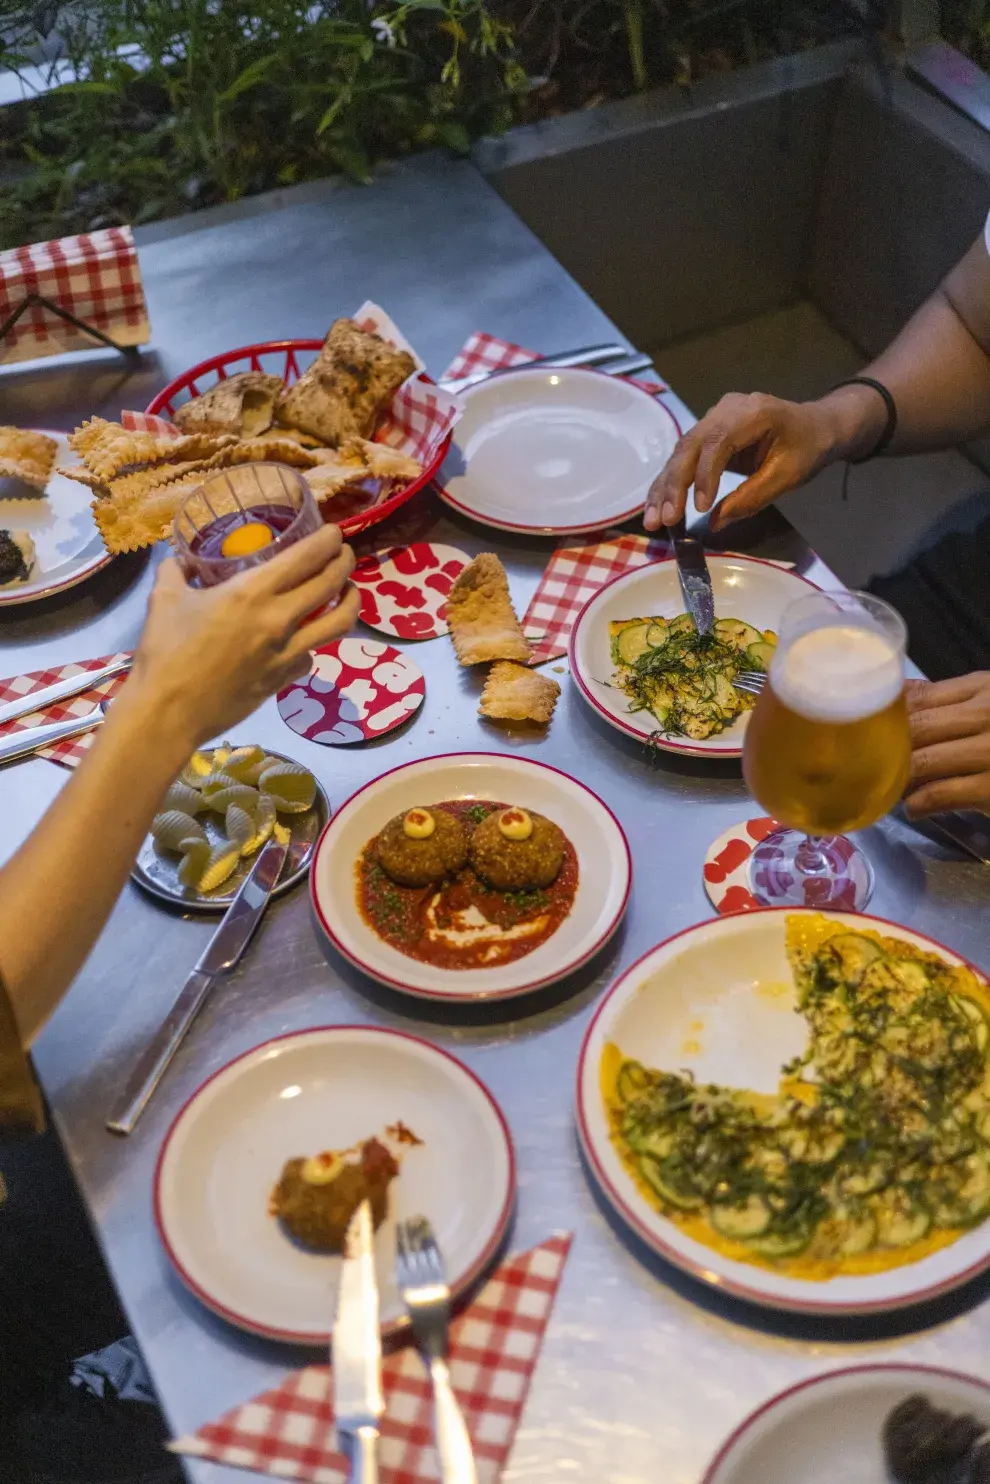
[[12, 597], [459, 1284], [736, 1436], [679, 1259], [353, 525], [502, 994], [616, 721], [612, 520]]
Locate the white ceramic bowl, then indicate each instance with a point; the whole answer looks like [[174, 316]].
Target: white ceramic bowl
[[718, 999], [301, 1093], [743, 587], [604, 867], [556, 451]]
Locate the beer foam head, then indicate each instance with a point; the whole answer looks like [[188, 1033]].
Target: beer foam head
[[840, 671]]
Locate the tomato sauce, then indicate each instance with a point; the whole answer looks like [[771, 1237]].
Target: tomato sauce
[[410, 917]]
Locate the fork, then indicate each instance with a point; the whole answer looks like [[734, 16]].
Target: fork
[[423, 1284], [750, 681]]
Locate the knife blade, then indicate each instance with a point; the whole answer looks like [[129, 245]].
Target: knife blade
[[62, 690], [29, 739], [696, 580], [356, 1350], [220, 955]]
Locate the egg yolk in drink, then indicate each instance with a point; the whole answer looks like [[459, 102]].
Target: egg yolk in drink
[[245, 540]]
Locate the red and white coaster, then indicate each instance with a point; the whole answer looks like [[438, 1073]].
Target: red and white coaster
[[404, 590], [726, 873], [357, 688]]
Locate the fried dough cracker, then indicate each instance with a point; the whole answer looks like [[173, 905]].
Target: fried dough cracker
[[85, 476], [29, 457], [129, 523], [516, 693], [381, 461], [270, 450], [483, 624], [143, 481], [274, 435], [109, 448]]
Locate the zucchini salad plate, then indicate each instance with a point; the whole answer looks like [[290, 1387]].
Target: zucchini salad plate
[[795, 1108], [638, 660]]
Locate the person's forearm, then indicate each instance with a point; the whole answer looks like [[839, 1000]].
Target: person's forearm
[[59, 888]]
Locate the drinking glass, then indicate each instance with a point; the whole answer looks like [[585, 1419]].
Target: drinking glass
[[827, 748], [241, 517]]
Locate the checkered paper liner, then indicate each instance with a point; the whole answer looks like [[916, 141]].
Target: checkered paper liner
[[573, 575], [419, 417], [72, 751], [96, 277], [495, 1344]]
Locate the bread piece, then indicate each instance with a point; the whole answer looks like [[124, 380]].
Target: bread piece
[[348, 386], [516, 693], [27, 456], [483, 624], [243, 404]]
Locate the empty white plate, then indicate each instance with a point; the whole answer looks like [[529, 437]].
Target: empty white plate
[[68, 547], [743, 587], [604, 867], [556, 451], [300, 1094], [718, 1000], [828, 1430]]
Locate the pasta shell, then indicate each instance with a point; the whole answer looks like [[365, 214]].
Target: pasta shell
[[263, 824], [215, 781], [181, 796], [292, 787], [243, 762], [172, 827], [239, 826], [221, 754], [234, 793], [194, 862], [197, 768], [223, 859]]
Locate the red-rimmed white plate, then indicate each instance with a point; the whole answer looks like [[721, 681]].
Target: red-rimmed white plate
[[718, 999], [604, 866], [556, 451], [68, 547], [828, 1429], [299, 1094], [743, 587]]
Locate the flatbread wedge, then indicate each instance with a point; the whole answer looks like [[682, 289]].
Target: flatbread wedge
[[483, 624], [27, 456], [243, 404], [516, 693], [348, 386]]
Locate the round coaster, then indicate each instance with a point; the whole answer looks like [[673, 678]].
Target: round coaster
[[726, 873], [404, 590], [357, 688]]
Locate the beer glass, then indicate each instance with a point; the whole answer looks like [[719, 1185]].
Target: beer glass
[[827, 748], [241, 517]]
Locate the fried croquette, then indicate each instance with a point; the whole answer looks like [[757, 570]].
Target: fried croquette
[[517, 865], [318, 1213], [420, 862]]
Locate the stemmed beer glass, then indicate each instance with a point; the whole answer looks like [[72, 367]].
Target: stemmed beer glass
[[827, 748]]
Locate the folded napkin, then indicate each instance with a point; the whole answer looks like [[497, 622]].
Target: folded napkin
[[96, 277], [482, 352], [573, 575], [74, 750], [495, 1344]]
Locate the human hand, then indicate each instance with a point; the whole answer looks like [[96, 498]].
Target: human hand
[[950, 741], [778, 444], [209, 656]]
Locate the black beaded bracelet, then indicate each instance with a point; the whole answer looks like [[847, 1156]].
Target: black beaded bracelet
[[891, 406]]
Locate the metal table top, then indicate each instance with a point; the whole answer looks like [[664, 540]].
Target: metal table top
[[643, 1371]]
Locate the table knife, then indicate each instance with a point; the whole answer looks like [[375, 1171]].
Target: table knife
[[29, 739], [696, 580], [591, 355], [222, 952], [356, 1351], [62, 690]]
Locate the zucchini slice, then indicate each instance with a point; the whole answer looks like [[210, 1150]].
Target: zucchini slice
[[682, 624], [853, 955], [977, 1020], [970, 1200], [631, 643], [782, 1243], [737, 633], [857, 1230], [669, 1184], [760, 654], [750, 1218], [656, 1142], [658, 633], [900, 1220], [631, 1081]]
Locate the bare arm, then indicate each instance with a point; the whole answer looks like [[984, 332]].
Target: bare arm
[[206, 660]]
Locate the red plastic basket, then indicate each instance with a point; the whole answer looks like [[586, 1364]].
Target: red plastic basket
[[281, 358]]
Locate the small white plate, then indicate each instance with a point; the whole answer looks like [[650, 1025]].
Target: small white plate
[[743, 587], [556, 451], [68, 547], [828, 1430], [719, 1000], [604, 867], [298, 1094]]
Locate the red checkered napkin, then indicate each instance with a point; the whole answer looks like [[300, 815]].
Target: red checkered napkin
[[96, 277], [483, 352], [494, 1348], [74, 750], [573, 575]]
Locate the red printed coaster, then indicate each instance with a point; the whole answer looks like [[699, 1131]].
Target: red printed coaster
[[357, 688], [726, 873], [404, 590]]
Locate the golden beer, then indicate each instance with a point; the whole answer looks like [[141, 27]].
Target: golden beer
[[828, 747]]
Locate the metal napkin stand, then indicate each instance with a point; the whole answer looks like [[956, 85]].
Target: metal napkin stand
[[132, 352]]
